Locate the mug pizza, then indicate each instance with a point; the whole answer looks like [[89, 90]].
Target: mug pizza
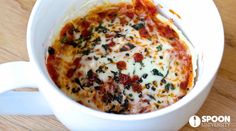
[[122, 58]]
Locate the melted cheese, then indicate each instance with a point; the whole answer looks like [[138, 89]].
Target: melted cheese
[[87, 66]]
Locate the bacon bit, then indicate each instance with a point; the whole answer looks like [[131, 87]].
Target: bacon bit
[[53, 62], [68, 28], [138, 57], [51, 69], [137, 87], [102, 15], [130, 15], [138, 5], [135, 78], [111, 44], [178, 46], [112, 15], [123, 21], [124, 48], [142, 110], [184, 84], [141, 5], [66, 34], [85, 24], [124, 79], [79, 74], [109, 35], [151, 8], [121, 65], [150, 27], [70, 72], [143, 33], [85, 34], [77, 62], [167, 32]]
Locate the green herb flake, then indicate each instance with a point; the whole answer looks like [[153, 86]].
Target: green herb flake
[[130, 95], [152, 97], [51, 50], [64, 39], [169, 86], [101, 28], [159, 48], [79, 40], [157, 72], [138, 26], [86, 52]]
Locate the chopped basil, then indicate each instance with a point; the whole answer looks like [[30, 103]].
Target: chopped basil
[[98, 81], [97, 87], [77, 81], [101, 28], [163, 81], [138, 26], [140, 80], [127, 87], [116, 77], [131, 46], [152, 97], [90, 73], [64, 39], [145, 75], [118, 35], [107, 98], [157, 72], [147, 85], [140, 95], [130, 95], [159, 48], [100, 70], [142, 64], [75, 90], [79, 40], [95, 58], [153, 88], [172, 87], [72, 43], [86, 52], [169, 86], [109, 59], [105, 47], [123, 48], [51, 50], [118, 98], [97, 40]]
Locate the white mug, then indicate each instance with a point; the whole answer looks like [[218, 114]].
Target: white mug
[[200, 22]]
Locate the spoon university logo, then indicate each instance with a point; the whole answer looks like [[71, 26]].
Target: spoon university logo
[[194, 121], [209, 121]]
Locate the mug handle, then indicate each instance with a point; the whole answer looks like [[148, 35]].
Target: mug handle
[[15, 75]]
